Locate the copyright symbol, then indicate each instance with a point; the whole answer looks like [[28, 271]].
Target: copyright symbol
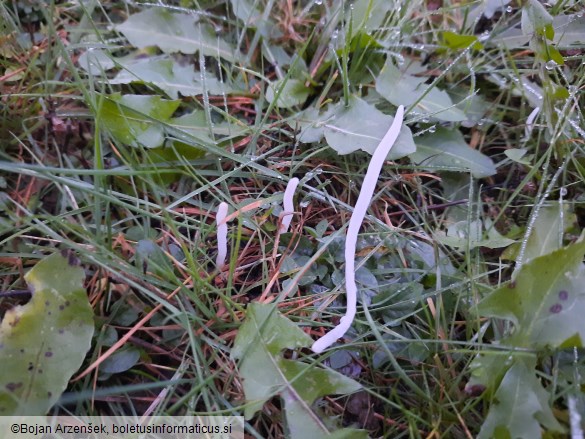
[[14, 428]]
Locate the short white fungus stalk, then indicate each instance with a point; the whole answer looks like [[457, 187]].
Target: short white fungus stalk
[[222, 230], [289, 209], [530, 121], [355, 222]]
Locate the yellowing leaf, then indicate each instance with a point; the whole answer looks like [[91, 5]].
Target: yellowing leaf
[[43, 343], [130, 118], [456, 41]]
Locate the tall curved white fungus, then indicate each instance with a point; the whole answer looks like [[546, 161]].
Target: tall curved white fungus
[[289, 209], [355, 222], [222, 230]]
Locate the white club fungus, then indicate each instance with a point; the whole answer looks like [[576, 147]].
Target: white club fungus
[[355, 222], [289, 209], [530, 122], [222, 230]]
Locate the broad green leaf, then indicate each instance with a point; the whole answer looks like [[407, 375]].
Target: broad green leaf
[[569, 30], [455, 188], [120, 361], [536, 20], [553, 54], [247, 11], [265, 373], [43, 343], [487, 370], [447, 150], [194, 123], [546, 301], [174, 32], [368, 15], [401, 88], [362, 126], [520, 406], [530, 90], [491, 6], [473, 105], [518, 155], [128, 118], [96, 61], [251, 14], [547, 231], [170, 77], [292, 93], [471, 235], [312, 124], [456, 41]]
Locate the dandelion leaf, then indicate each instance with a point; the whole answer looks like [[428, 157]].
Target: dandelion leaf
[[362, 126], [175, 32], [520, 406], [546, 301], [266, 373]]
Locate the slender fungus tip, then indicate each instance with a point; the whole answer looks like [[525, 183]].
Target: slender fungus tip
[[222, 230], [318, 347]]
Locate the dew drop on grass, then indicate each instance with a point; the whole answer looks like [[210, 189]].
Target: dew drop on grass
[[550, 65], [318, 171], [432, 129], [509, 9], [319, 2]]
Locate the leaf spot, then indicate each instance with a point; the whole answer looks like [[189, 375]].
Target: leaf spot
[[30, 366], [11, 387], [563, 294], [556, 308], [48, 354]]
